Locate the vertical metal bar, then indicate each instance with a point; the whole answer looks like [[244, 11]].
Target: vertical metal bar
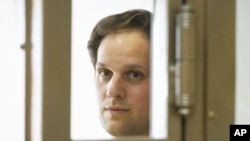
[[28, 68], [185, 63], [56, 70]]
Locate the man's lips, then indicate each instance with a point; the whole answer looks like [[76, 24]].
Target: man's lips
[[116, 110]]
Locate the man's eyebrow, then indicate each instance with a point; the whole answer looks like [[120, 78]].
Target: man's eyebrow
[[100, 64], [129, 66], [135, 66]]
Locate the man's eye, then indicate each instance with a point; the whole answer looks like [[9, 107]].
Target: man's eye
[[135, 75], [105, 73]]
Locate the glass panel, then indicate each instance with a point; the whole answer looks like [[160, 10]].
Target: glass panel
[[159, 71], [12, 64], [85, 121], [242, 62], [37, 45]]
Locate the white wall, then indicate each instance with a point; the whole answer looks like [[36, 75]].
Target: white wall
[[242, 62]]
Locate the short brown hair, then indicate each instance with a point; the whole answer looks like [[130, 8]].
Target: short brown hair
[[133, 19]]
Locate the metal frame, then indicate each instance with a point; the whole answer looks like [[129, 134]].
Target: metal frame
[[220, 68], [56, 70], [28, 71], [215, 94]]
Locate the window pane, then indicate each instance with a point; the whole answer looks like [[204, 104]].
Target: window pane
[[242, 62], [85, 122], [12, 96]]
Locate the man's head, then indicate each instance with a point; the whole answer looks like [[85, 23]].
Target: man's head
[[119, 48], [133, 19]]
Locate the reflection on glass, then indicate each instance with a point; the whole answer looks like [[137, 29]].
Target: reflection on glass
[[85, 123], [242, 62]]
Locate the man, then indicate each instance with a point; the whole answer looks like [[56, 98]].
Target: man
[[119, 48]]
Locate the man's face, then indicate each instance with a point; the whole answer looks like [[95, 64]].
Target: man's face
[[122, 83]]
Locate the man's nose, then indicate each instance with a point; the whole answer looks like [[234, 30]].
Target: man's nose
[[116, 88]]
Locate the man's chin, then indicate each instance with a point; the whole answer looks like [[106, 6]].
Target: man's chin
[[115, 128], [121, 128]]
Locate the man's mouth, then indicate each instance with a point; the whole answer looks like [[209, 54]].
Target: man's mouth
[[116, 110]]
